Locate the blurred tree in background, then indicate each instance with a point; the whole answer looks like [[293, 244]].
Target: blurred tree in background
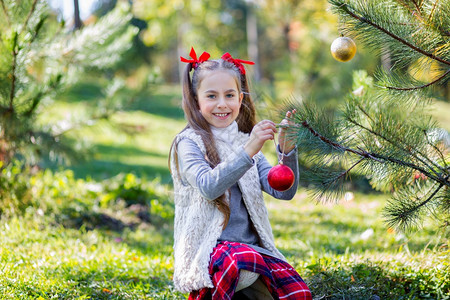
[[125, 46], [38, 58], [289, 40], [173, 26]]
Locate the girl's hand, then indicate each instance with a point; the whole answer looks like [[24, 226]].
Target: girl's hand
[[286, 144], [263, 131]]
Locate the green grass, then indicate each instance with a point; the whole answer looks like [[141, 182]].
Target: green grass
[[343, 251], [135, 140], [59, 263], [332, 246]]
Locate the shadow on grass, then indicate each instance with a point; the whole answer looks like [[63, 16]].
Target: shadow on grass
[[104, 169], [163, 104], [106, 161], [164, 101], [122, 151], [83, 91]]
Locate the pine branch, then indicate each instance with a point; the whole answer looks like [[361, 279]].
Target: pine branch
[[377, 157], [404, 216], [432, 11], [5, 11], [417, 7], [38, 97], [345, 7], [446, 167], [431, 196], [29, 48], [446, 33], [15, 53], [397, 145], [30, 13], [410, 10], [335, 145], [346, 172], [418, 87], [437, 178], [37, 29], [364, 112]]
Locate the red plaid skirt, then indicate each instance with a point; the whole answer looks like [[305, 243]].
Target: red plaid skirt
[[280, 278]]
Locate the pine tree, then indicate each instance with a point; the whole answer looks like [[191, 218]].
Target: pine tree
[[38, 58], [384, 130]]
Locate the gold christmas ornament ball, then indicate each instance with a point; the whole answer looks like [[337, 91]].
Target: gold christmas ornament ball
[[343, 49]]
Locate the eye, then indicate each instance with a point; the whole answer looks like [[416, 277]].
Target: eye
[[230, 95], [211, 96]]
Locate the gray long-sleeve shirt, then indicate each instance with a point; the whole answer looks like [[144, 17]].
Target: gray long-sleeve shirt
[[214, 182]]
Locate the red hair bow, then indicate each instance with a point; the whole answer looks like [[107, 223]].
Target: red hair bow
[[194, 61], [237, 62]]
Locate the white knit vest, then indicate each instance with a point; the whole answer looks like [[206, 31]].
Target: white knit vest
[[198, 222]]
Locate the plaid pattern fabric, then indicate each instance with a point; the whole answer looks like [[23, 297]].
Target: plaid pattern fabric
[[281, 279]]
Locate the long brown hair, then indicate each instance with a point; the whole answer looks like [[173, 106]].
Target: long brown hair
[[245, 120]]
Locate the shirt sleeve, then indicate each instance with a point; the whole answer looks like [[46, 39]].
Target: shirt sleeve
[[290, 160], [211, 182]]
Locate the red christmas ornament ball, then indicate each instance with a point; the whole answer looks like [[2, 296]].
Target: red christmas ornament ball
[[281, 177]]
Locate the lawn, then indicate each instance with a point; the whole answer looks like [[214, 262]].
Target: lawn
[[136, 139], [342, 251], [81, 238]]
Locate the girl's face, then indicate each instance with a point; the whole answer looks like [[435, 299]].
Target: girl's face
[[219, 98]]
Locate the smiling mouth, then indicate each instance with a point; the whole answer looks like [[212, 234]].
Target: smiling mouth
[[222, 115]]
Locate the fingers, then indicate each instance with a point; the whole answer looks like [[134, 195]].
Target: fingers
[[290, 113], [265, 129], [265, 124], [286, 146], [289, 119]]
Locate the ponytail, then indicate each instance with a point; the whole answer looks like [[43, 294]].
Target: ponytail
[[246, 119]]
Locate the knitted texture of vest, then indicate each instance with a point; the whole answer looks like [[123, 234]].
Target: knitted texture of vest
[[198, 222]]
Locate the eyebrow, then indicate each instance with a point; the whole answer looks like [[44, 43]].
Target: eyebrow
[[215, 92]]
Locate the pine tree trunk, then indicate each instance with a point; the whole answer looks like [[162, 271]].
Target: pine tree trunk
[[3, 151], [181, 49], [76, 15], [252, 40], [6, 153]]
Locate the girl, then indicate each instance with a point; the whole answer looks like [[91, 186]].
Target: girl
[[223, 242]]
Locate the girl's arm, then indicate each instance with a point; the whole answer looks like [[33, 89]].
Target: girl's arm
[[212, 183], [290, 160]]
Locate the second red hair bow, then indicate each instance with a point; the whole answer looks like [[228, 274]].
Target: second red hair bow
[[237, 62], [195, 61]]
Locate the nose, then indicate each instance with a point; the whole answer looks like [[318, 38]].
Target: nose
[[222, 103]]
